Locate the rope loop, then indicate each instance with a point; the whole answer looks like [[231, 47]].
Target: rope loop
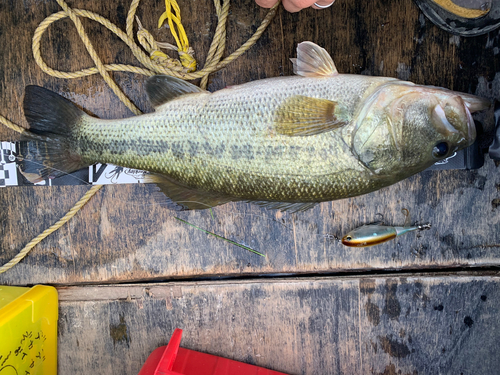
[[147, 42], [156, 63], [213, 63]]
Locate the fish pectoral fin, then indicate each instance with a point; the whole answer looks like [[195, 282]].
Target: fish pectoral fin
[[186, 197], [313, 61], [302, 115], [163, 88]]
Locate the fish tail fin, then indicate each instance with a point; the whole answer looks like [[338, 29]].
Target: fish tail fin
[[53, 121]]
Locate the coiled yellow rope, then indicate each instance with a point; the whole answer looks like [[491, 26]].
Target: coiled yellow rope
[[173, 16], [152, 65]]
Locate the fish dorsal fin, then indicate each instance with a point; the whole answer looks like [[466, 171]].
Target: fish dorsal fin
[[313, 61], [302, 116], [188, 198], [163, 88]]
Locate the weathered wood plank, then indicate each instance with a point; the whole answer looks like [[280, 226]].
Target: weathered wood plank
[[414, 324], [121, 235]]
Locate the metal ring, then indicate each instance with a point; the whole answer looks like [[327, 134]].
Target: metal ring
[[324, 6]]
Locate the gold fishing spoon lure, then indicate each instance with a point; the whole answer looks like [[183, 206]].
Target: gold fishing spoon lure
[[374, 234]]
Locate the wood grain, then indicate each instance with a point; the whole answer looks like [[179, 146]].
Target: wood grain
[[410, 324], [121, 235]]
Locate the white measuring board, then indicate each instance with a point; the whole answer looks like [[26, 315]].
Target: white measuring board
[[17, 158]]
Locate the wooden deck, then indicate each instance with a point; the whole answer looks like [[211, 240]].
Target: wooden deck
[[311, 306]]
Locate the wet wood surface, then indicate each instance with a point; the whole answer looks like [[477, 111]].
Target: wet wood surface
[[122, 235], [411, 324], [387, 324]]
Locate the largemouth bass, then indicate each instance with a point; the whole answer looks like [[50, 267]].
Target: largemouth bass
[[286, 143]]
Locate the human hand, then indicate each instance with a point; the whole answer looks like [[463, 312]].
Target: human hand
[[296, 5]]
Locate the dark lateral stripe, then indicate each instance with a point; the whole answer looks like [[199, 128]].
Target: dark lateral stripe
[[143, 147]]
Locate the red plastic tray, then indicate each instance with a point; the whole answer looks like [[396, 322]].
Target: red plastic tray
[[173, 360]]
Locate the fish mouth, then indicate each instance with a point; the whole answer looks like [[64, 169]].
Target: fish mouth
[[446, 126], [471, 128]]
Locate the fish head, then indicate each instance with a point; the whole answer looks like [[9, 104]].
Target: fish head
[[408, 128]]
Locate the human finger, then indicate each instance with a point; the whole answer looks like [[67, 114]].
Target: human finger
[[266, 3], [295, 5]]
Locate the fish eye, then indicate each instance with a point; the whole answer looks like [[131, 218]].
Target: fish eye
[[348, 238], [441, 149]]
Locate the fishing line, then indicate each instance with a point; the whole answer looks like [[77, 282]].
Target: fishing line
[[152, 64]]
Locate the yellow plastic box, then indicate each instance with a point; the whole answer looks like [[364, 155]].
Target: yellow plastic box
[[28, 330]]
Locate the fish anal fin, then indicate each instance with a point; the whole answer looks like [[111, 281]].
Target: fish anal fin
[[313, 61], [186, 197], [302, 116], [163, 88]]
